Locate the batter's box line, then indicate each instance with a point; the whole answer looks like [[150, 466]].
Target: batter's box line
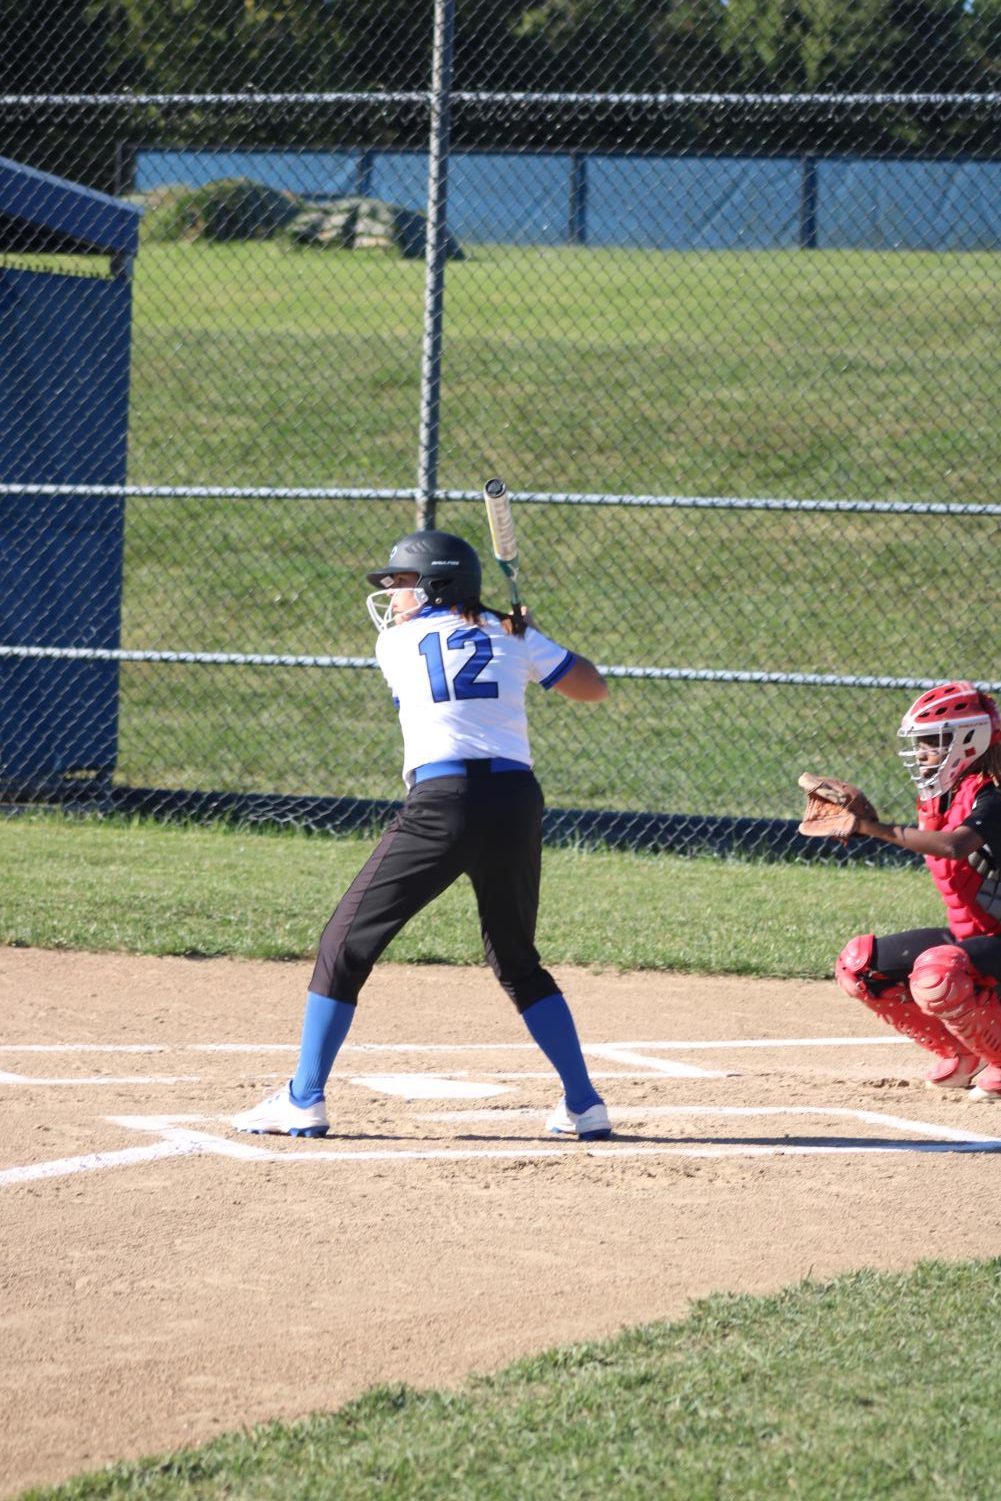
[[614, 1053], [101, 1079], [621, 1054], [664, 1045], [944, 1138], [178, 1138]]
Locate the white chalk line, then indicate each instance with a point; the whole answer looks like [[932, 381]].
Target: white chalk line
[[668, 1045], [179, 1140], [101, 1079], [654, 1112], [148, 1047], [614, 1053], [636, 1054], [90, 1162], [409, 1086]]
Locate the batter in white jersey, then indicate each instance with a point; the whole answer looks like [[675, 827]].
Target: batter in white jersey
[[458, 674], [460, 687]]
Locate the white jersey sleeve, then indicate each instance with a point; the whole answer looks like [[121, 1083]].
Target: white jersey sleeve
[[460, 688], [550, 660]]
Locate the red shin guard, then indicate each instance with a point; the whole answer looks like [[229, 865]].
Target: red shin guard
[[949, 990], [894, 1004]]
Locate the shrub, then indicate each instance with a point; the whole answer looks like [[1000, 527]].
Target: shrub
[[231, 208]]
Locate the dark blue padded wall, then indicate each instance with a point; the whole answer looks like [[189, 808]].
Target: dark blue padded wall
[[64, 346]]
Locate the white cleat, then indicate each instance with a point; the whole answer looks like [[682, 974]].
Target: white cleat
[[591, 1124], [988, 1085], [279, 1115]]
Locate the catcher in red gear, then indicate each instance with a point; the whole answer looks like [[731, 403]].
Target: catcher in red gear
[[939, 986]]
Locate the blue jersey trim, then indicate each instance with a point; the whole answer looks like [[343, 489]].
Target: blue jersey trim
[[559, 672]]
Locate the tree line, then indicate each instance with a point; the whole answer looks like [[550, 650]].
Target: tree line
[[788, 47], [175, 46]]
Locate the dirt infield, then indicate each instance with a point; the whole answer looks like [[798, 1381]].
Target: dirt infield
[[166, 1279]]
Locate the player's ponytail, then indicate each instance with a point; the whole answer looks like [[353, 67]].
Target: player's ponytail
[[989, 764], [514, 621], [471, 611]]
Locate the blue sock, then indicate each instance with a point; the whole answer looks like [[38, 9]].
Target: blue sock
[[324, 1027], [552, 1027]]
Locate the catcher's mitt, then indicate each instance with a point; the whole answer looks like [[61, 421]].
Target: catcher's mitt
[[833, 808]]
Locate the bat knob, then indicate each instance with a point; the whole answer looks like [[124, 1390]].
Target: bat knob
[[495, 488]]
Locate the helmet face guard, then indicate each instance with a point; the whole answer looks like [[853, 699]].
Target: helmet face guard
[[947, 729], [383, 610], [447, 573]]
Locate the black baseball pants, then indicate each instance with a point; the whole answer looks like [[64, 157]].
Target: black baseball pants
[[486, 825], [894, 955]]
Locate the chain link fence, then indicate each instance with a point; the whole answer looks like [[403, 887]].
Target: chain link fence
[[715, 287]]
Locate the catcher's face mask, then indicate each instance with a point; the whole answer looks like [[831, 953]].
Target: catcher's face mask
[[947, 730]]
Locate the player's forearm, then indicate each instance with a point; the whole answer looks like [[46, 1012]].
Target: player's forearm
[[945, 844], [583, 682]]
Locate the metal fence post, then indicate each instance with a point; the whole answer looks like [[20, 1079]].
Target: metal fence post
[[434, 281], [577, 207], [363, 172], [808, 204]]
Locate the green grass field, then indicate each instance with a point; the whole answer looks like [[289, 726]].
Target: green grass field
[[153, 888], [839, 374], [778, 374]]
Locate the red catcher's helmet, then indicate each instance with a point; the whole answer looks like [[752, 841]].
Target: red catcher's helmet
[[957, 722]]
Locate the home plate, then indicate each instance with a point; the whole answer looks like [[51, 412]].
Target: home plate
[[429, 1086]]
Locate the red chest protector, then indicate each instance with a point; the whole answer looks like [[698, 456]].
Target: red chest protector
[[957, 880]]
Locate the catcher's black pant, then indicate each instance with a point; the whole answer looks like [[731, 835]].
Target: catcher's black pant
[[486, 825], [895, 954]]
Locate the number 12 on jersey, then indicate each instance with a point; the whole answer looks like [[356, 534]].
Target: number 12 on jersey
[[464, 682]]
